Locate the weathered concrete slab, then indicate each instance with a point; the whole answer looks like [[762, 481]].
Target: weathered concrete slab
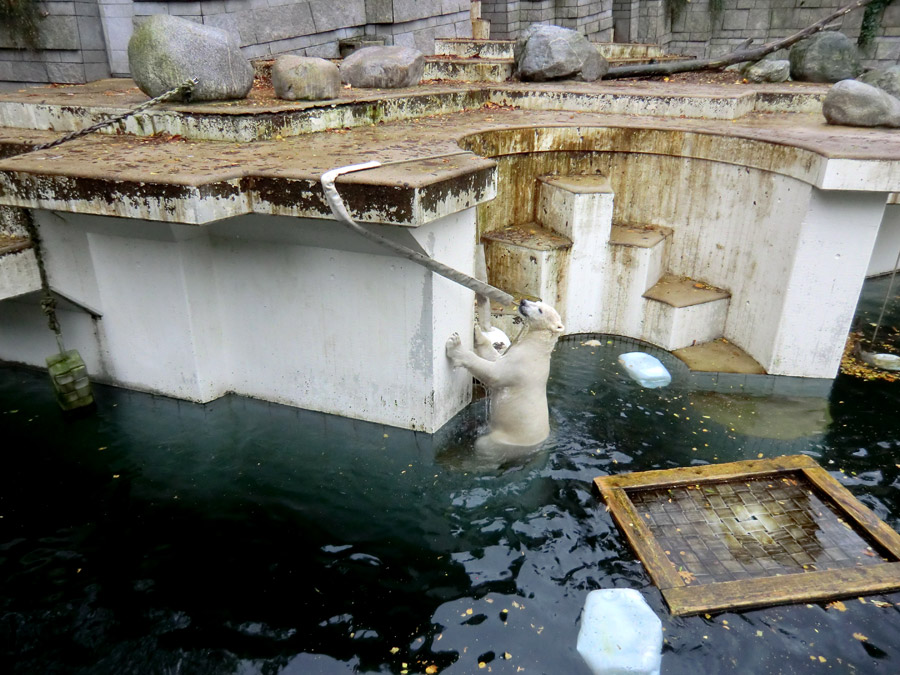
[[719, 356]]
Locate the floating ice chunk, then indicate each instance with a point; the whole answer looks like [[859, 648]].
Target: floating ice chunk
[[620, 634], [886, 361], [646, 370]]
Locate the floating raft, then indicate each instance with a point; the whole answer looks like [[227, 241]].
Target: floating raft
[[751, 534]]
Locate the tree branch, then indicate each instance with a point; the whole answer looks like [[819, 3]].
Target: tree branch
[[740, 55]]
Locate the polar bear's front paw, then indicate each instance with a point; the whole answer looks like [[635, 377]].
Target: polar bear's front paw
[[454, 348]]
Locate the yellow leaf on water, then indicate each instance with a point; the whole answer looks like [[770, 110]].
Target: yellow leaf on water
[[394, 650], [860, 637], [431, 669], [838, 605]]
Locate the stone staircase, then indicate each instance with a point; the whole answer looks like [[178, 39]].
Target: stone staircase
[[602, 277], [466, 60]]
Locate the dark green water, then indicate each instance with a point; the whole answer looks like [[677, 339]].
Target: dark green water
[[242, 537]]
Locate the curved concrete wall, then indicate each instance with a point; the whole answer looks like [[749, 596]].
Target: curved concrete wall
[[751, 221]]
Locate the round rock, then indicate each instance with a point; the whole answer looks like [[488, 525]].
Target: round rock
[[164, 51], [552, 53], [305, 78], [887, 79], [856, 104], [383, 67], [825, 57], [768, 71]]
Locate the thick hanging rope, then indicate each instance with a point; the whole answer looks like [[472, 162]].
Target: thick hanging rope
[[184, 89], [340, 212], [887, 297], [48, 302]]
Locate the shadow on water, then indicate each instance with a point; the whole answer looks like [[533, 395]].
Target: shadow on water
[[243, 537]]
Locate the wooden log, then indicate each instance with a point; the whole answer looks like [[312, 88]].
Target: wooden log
[[740, 55]]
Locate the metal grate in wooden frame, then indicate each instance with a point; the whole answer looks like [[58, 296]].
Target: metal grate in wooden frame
[[754, 533]]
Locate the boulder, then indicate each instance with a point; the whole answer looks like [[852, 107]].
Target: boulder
[[164, 51], [552, 53], [383, 67], [887, 79], [857, 104], [825, 57], [768, 71], [305, 78]]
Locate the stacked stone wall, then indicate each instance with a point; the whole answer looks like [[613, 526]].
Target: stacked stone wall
[[702, 33], [71, 47], [592, 18]]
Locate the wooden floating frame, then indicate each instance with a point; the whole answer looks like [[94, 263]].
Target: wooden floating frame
[[685, 599]]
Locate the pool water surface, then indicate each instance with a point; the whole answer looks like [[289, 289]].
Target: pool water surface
[[158, 536]]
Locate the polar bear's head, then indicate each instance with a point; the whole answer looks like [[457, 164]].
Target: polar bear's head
[[540, 316]]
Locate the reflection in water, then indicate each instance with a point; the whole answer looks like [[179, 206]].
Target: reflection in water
[[782, 418]]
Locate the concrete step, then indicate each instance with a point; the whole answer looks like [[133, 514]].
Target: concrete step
[[474, 49], [719, 356], [467, 69], [527, 260], [635, 262], [579, 207], [682, 312], [18, 267]]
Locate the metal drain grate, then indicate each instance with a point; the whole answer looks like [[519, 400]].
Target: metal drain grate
[[752, 533]]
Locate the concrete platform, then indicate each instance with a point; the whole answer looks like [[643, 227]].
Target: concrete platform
[[201, 234]]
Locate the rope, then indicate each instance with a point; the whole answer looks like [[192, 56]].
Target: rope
[[340, 213], [887, 297], [48, 302], [183, 89]]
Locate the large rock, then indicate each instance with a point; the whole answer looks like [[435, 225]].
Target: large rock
[[164, 51], [553, 53], [768, 71], [887, 79], [383, 67], [304, 78], [856, 104], [825, 57]]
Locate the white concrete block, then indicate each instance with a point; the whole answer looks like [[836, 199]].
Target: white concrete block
[[833, 250], [298, 311], [676, 327], [580, 208]]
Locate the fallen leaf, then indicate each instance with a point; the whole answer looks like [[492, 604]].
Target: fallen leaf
[[838, 605], [860, 637]]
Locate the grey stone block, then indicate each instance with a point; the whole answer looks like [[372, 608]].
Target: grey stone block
[[23, 71], [330, 15], [96, 71], [94, 56], [379, 11], [186, 9], [91, 31], [87, 8], [66, 73], [279, 23], [56, 32], [409, 10]]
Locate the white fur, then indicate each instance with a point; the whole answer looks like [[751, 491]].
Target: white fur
[[519, 416]]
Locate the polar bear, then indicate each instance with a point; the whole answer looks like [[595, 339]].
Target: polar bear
[[519, 419]]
